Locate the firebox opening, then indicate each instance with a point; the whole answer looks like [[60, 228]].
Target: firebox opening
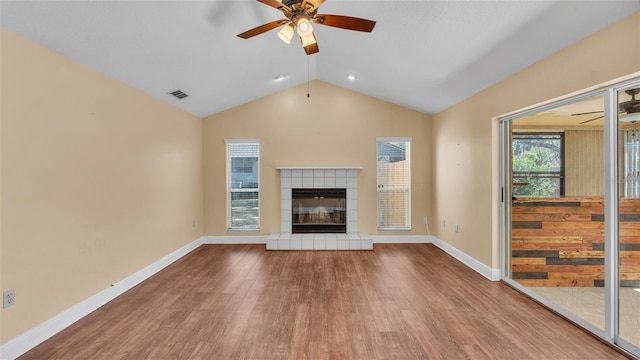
[[319, 211]]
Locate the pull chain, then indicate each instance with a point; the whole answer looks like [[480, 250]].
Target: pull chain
[[307, 75]]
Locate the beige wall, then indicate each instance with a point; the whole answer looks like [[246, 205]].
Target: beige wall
[[464, 146], [333, 127], [98, 181]]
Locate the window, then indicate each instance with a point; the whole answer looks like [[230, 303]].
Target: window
[[393, 183], [538, 164], [243, 165], [243, 184]]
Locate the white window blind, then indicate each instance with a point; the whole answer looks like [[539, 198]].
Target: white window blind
[[394, 183], [243, 184]]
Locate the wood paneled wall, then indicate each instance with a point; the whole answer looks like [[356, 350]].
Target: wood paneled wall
[[560, 241], [584, 159]]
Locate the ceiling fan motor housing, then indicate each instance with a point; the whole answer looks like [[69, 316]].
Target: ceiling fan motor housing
[[632, 106], [291, 2]]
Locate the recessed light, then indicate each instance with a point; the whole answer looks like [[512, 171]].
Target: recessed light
[[280, 77], [351, 77]]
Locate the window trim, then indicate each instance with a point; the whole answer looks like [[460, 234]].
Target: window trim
[[230, 189], [562, 174]]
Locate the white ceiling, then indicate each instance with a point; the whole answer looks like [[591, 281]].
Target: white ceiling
[[424, 55]]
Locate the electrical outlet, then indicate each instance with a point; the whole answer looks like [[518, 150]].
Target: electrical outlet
[[425, 220], [8, 298], [455, 228]]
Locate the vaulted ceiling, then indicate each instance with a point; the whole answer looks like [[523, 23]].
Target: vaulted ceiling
[[424, 55]]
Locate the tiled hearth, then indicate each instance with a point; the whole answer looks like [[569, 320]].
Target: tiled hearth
[[350, 241], [319, 178]]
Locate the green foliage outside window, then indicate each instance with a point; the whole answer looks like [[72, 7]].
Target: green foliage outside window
[[537, 164]]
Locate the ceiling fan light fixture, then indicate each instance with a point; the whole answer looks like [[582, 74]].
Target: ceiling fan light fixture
[[304, 27], [633, 117], [286, 33], [308, 40]]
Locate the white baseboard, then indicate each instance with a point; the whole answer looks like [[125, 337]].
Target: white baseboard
[[477, 266], [33, 337], [257, 239], [482, 269]]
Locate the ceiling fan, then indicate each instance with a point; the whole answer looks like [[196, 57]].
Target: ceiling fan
[[300, 14], [626, 107]]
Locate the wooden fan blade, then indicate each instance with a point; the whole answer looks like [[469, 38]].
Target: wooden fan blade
[[275, 4], [345, 22], [587, 113], [263, 28], [590, 120]]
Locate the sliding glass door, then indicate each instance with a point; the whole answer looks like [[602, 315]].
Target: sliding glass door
[[570, 176], [628, 246], [557, 207]]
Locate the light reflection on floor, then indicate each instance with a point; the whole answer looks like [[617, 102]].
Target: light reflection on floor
[[588, 303]]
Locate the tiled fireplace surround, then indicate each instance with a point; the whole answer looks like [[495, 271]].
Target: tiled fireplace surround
[[319, 178]]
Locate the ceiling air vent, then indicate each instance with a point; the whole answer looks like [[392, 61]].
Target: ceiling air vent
[[179, 94]]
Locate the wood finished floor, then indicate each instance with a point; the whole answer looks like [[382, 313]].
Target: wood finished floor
[[408, 301]]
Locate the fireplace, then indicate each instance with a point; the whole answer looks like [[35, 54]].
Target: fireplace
[[314, 178], [303, 181], [318, 210]]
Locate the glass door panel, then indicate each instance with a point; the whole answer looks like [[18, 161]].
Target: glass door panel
[[629, 214], [557, 210]]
